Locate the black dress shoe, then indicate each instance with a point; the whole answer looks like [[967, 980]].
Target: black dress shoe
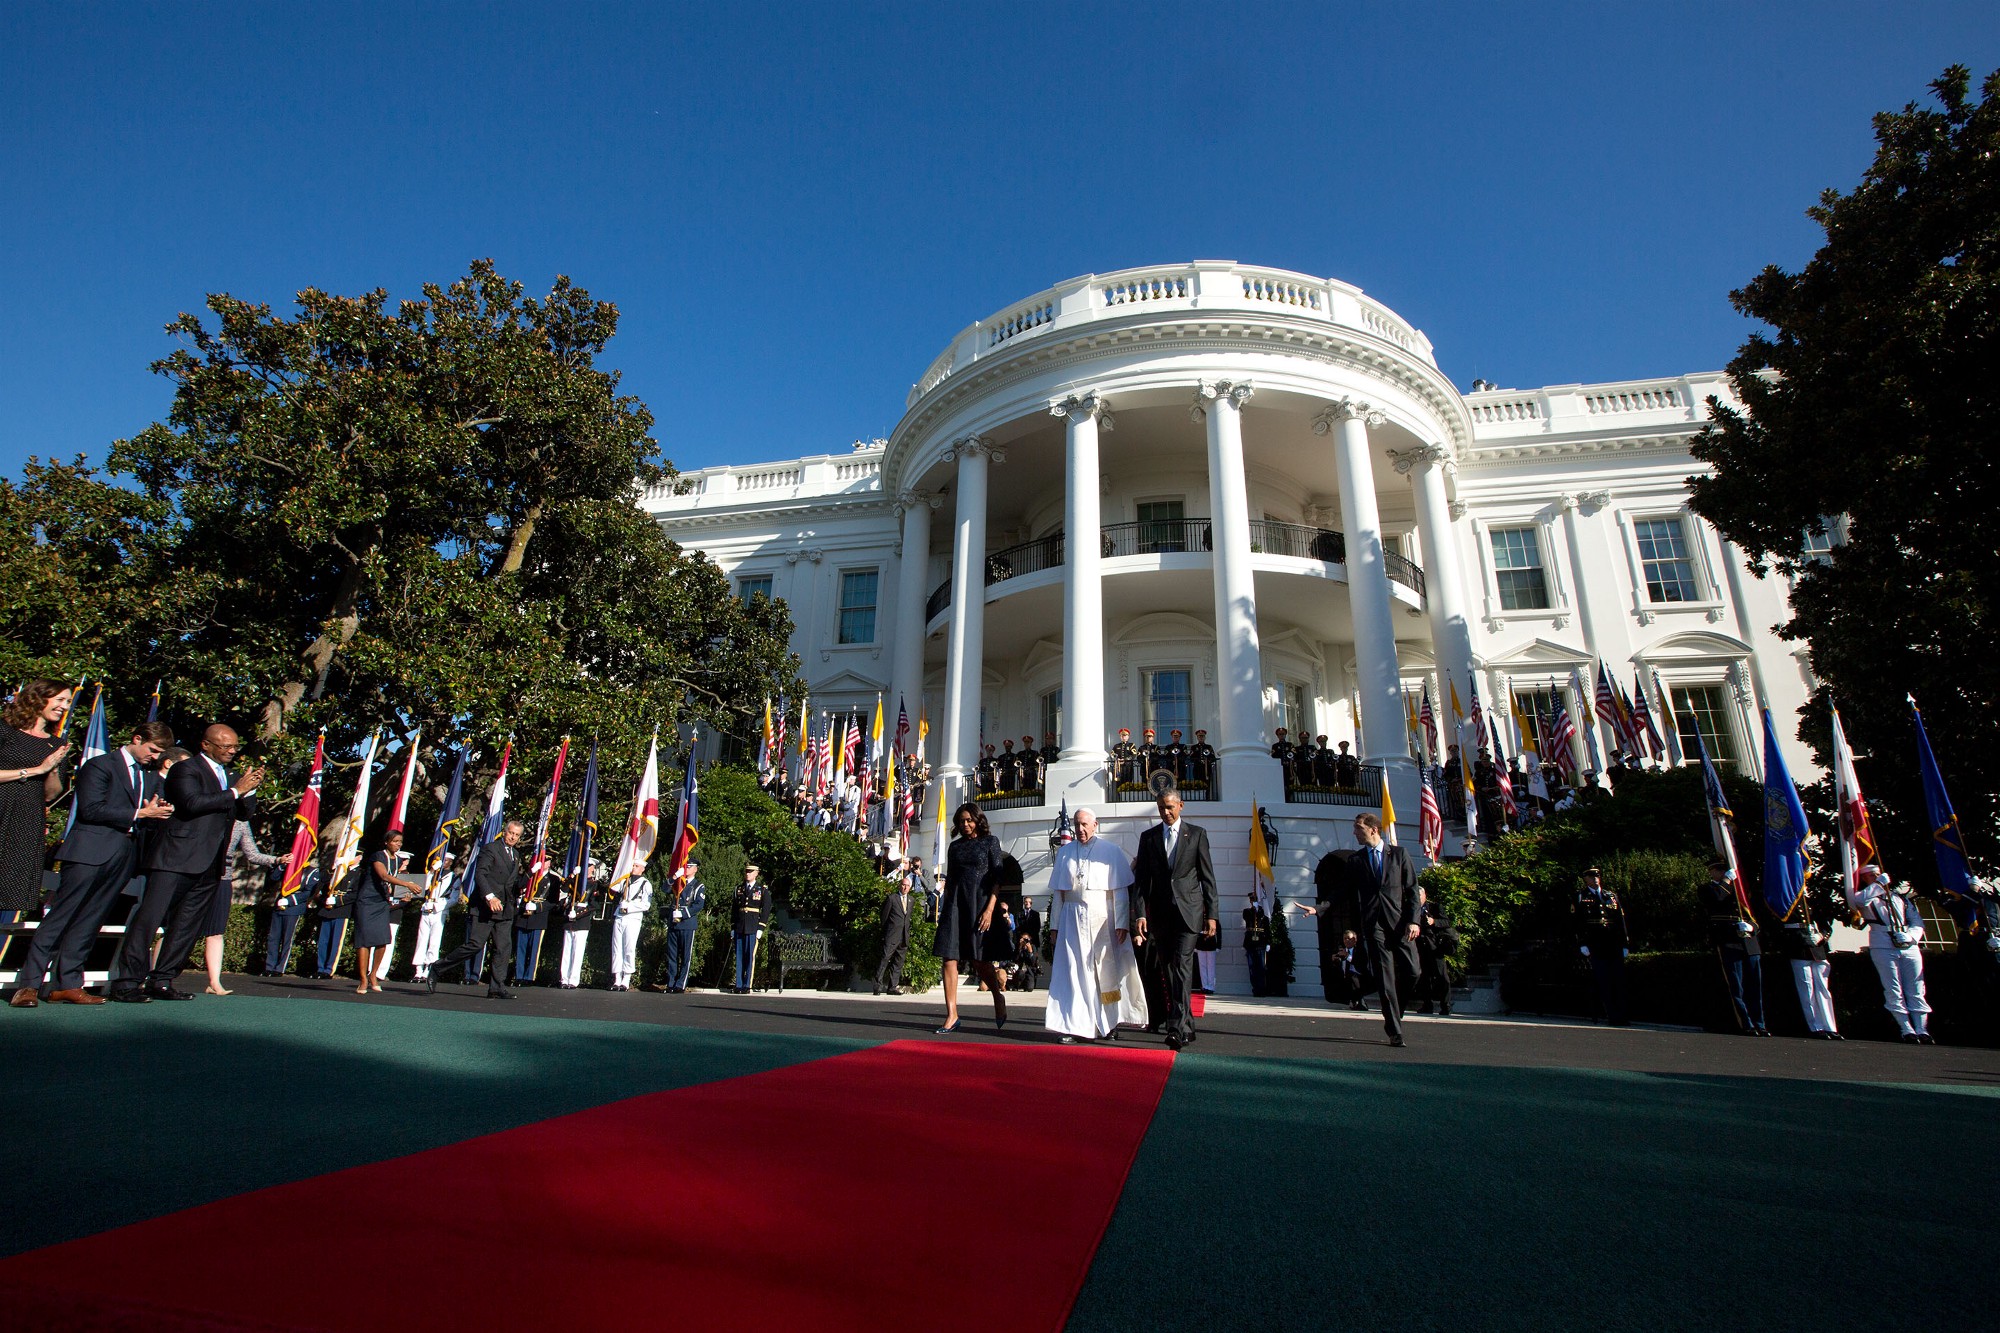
[[130, 996], [1395, 1041], [430, 984], [167, 993], [499, 995]]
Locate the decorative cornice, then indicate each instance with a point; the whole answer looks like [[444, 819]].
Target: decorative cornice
[[1233, 392], [1088, 404], [1407, 461], [972, 446], [1347, 409], [912, 498], [812, 554], [1592, 501]]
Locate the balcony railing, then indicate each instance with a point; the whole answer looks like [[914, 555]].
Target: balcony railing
[[1365, 791], [1174, 536]]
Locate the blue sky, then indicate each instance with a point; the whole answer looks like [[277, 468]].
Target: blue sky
[[795, 208]]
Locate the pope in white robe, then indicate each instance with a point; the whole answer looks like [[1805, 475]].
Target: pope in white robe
[[1094, 984]]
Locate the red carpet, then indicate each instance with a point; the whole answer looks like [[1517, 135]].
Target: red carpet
[[856, 1192]]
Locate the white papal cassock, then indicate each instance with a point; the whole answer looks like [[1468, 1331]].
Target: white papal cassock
[[1094, 985]]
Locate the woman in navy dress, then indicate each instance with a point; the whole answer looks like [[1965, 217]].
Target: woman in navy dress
[[371, 909], [966, 909]]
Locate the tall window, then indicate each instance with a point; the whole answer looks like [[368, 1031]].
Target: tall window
[[753, 585], [1517, 569], [1817, 548], [1535, 706], [857, 605], [1663, 551], [1161, 526], [1703, 708], [1169, 703], [1052, 715], [1292, 708]]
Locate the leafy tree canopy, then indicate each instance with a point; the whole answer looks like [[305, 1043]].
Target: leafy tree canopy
[[359, 517], [1871, 400]]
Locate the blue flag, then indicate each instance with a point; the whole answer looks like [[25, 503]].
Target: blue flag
[[1947, 842], [576, 866], [1784, 831], [448, 821]]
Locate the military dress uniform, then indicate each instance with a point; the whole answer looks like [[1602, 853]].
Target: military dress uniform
[[573, 915], [1735, 943], [286, 914], [1600, 923], [1201, 756], [1125, 760], [1894, 930], [1804, 946], [682, 920]]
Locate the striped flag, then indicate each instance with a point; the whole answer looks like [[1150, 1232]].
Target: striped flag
[[1642, 718], [538, 863], [1430, 724], [1562, 732], [826, 768], [1607, 707], [305, 839], [687, 822], [403, 791], [1430, 823], [1668, 722], [902, 724], [779, 734], [1509, 807], [1856, 830]]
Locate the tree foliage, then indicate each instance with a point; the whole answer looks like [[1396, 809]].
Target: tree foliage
[[1871, 398], [361, 516]]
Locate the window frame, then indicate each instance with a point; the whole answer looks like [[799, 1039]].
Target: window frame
[[1149, 718], [841, 607], [1533, 533]]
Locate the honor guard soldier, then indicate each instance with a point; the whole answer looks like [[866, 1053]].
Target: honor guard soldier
[[1050, 750], [1177, 757], [1304, 757], [1346, 768], [1202, 755], [1281, 750], [1600, 924], [1125, 760], [1007, 773], [1151, 760], [1895, 929], [1326, 769], [988, 772], [1031, 765], [1734, 936]]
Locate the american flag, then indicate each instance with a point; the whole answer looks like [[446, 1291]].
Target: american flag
[[1430, 823], [1508, 806], [1430, 723], [902, 724], [809, 771], [852, 745], [1607, 706], [826, 758], [779, 723], [1478, 718], [1562, 733], [1642, 719]]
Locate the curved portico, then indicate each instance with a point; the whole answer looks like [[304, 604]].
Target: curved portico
[[1266, 413]]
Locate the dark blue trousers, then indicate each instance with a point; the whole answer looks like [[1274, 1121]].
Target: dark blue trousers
[[1746, 988], [680, 955], [278, 954]]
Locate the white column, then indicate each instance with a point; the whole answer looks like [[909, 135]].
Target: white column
[[1444, 587], [1367, 583], [1083, 591], [966, 652], [1586, 618], [911, 595], [1239, 672]]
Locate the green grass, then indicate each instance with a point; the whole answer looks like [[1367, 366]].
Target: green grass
[[125, 1112], [1282, 1195]]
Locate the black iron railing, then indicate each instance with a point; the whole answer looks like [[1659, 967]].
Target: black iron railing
[[1365, 791], [1298, 541], [1174, 536]]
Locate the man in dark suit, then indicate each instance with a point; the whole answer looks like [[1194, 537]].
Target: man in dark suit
[[1386, 888], [114, 792], [184, 867], [491, 910], [895, 939], [1174, 902]]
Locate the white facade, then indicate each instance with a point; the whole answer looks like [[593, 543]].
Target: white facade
[[1274, 454]]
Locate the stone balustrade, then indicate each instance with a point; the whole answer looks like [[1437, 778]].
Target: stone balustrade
[[1201, 287]]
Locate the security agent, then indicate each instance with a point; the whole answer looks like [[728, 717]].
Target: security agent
[[1600, 923]]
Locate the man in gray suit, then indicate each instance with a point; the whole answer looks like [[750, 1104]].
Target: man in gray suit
[[1385, 886], [114, 792], [1173, 882]]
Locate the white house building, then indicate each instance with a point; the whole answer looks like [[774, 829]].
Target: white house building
[[1299, 521]]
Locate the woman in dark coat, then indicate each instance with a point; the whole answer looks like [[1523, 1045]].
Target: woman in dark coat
[[967, 906], [379, 881], [29, 780]]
